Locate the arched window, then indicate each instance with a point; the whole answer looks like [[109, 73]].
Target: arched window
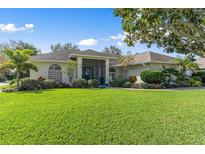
[[55, 73]]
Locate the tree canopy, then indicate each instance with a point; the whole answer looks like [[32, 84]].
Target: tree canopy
[[19, 45], [63, 47], [175, 30], [112, 49]]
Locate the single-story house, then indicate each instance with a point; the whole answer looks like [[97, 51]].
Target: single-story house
[[95, 65]]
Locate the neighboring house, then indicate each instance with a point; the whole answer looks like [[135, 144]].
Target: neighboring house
[[201, 63], [95, 65]]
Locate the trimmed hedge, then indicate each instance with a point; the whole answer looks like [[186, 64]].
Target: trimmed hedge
[[201, 75], [117, 83], [127, 85], [30, 84], [79, 83], [94, 83], [153, 77]]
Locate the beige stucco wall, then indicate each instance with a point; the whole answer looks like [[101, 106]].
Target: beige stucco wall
[[43, 70]]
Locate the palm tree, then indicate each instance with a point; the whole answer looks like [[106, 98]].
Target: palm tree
[[18, 60], [185, 64]]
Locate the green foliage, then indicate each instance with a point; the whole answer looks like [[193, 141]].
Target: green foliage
[[151, 86], [19, 61], [47, 84], [117, 83], [127, 84], [201, 75], [64, 47], [132, 79], [19, 45], [153, 76], [185, 64], [94, 83], [175, 30], [2, 78], [30, 84], [193, 82], [70, 68], [79, 83], [112, 50]]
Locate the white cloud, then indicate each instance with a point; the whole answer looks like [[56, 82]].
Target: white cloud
[[118, 36], [88, 42], [120, 44], [12, 28]]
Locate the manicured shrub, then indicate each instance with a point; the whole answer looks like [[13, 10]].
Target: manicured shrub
[[201, 75], [79, 83], [194, 83], [135, 85], [2, 78], [30, 84], [117, 83], [151, 86], [127, 85], [153, 76], [94, 83], [132, 79], [48, 84], [62, 85]]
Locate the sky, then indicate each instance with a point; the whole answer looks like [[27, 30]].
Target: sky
[[87, 28]]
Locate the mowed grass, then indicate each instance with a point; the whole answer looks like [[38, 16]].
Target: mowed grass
[[102, 116]]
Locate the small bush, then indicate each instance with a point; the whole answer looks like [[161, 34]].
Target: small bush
[[127, 85], [40, 78], [30, 84], [153, 76], [194, 83], [151, 86], [201, 75], [2, 78], [117, 83], [48, 84], [135, 85], [62, 85], [13, 81], [94, 83], [132, 79], [79, 83]]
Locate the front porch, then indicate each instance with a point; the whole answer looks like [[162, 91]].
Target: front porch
[[93, 68]]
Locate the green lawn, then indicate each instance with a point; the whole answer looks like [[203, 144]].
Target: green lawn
[[106, 116]]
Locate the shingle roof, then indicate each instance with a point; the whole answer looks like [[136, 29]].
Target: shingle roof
[[65, 55], [201, 62], [150, 57]]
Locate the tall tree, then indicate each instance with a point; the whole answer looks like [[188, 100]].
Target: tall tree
[[175, 30], [63, 47], [18, 60], [19, 45], [113, 50]]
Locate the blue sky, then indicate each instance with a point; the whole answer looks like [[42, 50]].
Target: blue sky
[[88, 28]]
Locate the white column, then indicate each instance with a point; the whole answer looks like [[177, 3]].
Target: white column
[[107, 66], [79, 71]]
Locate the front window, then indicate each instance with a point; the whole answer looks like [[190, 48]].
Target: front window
[[55, 73]]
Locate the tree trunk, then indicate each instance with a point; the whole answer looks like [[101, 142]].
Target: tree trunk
[[18, 79]]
